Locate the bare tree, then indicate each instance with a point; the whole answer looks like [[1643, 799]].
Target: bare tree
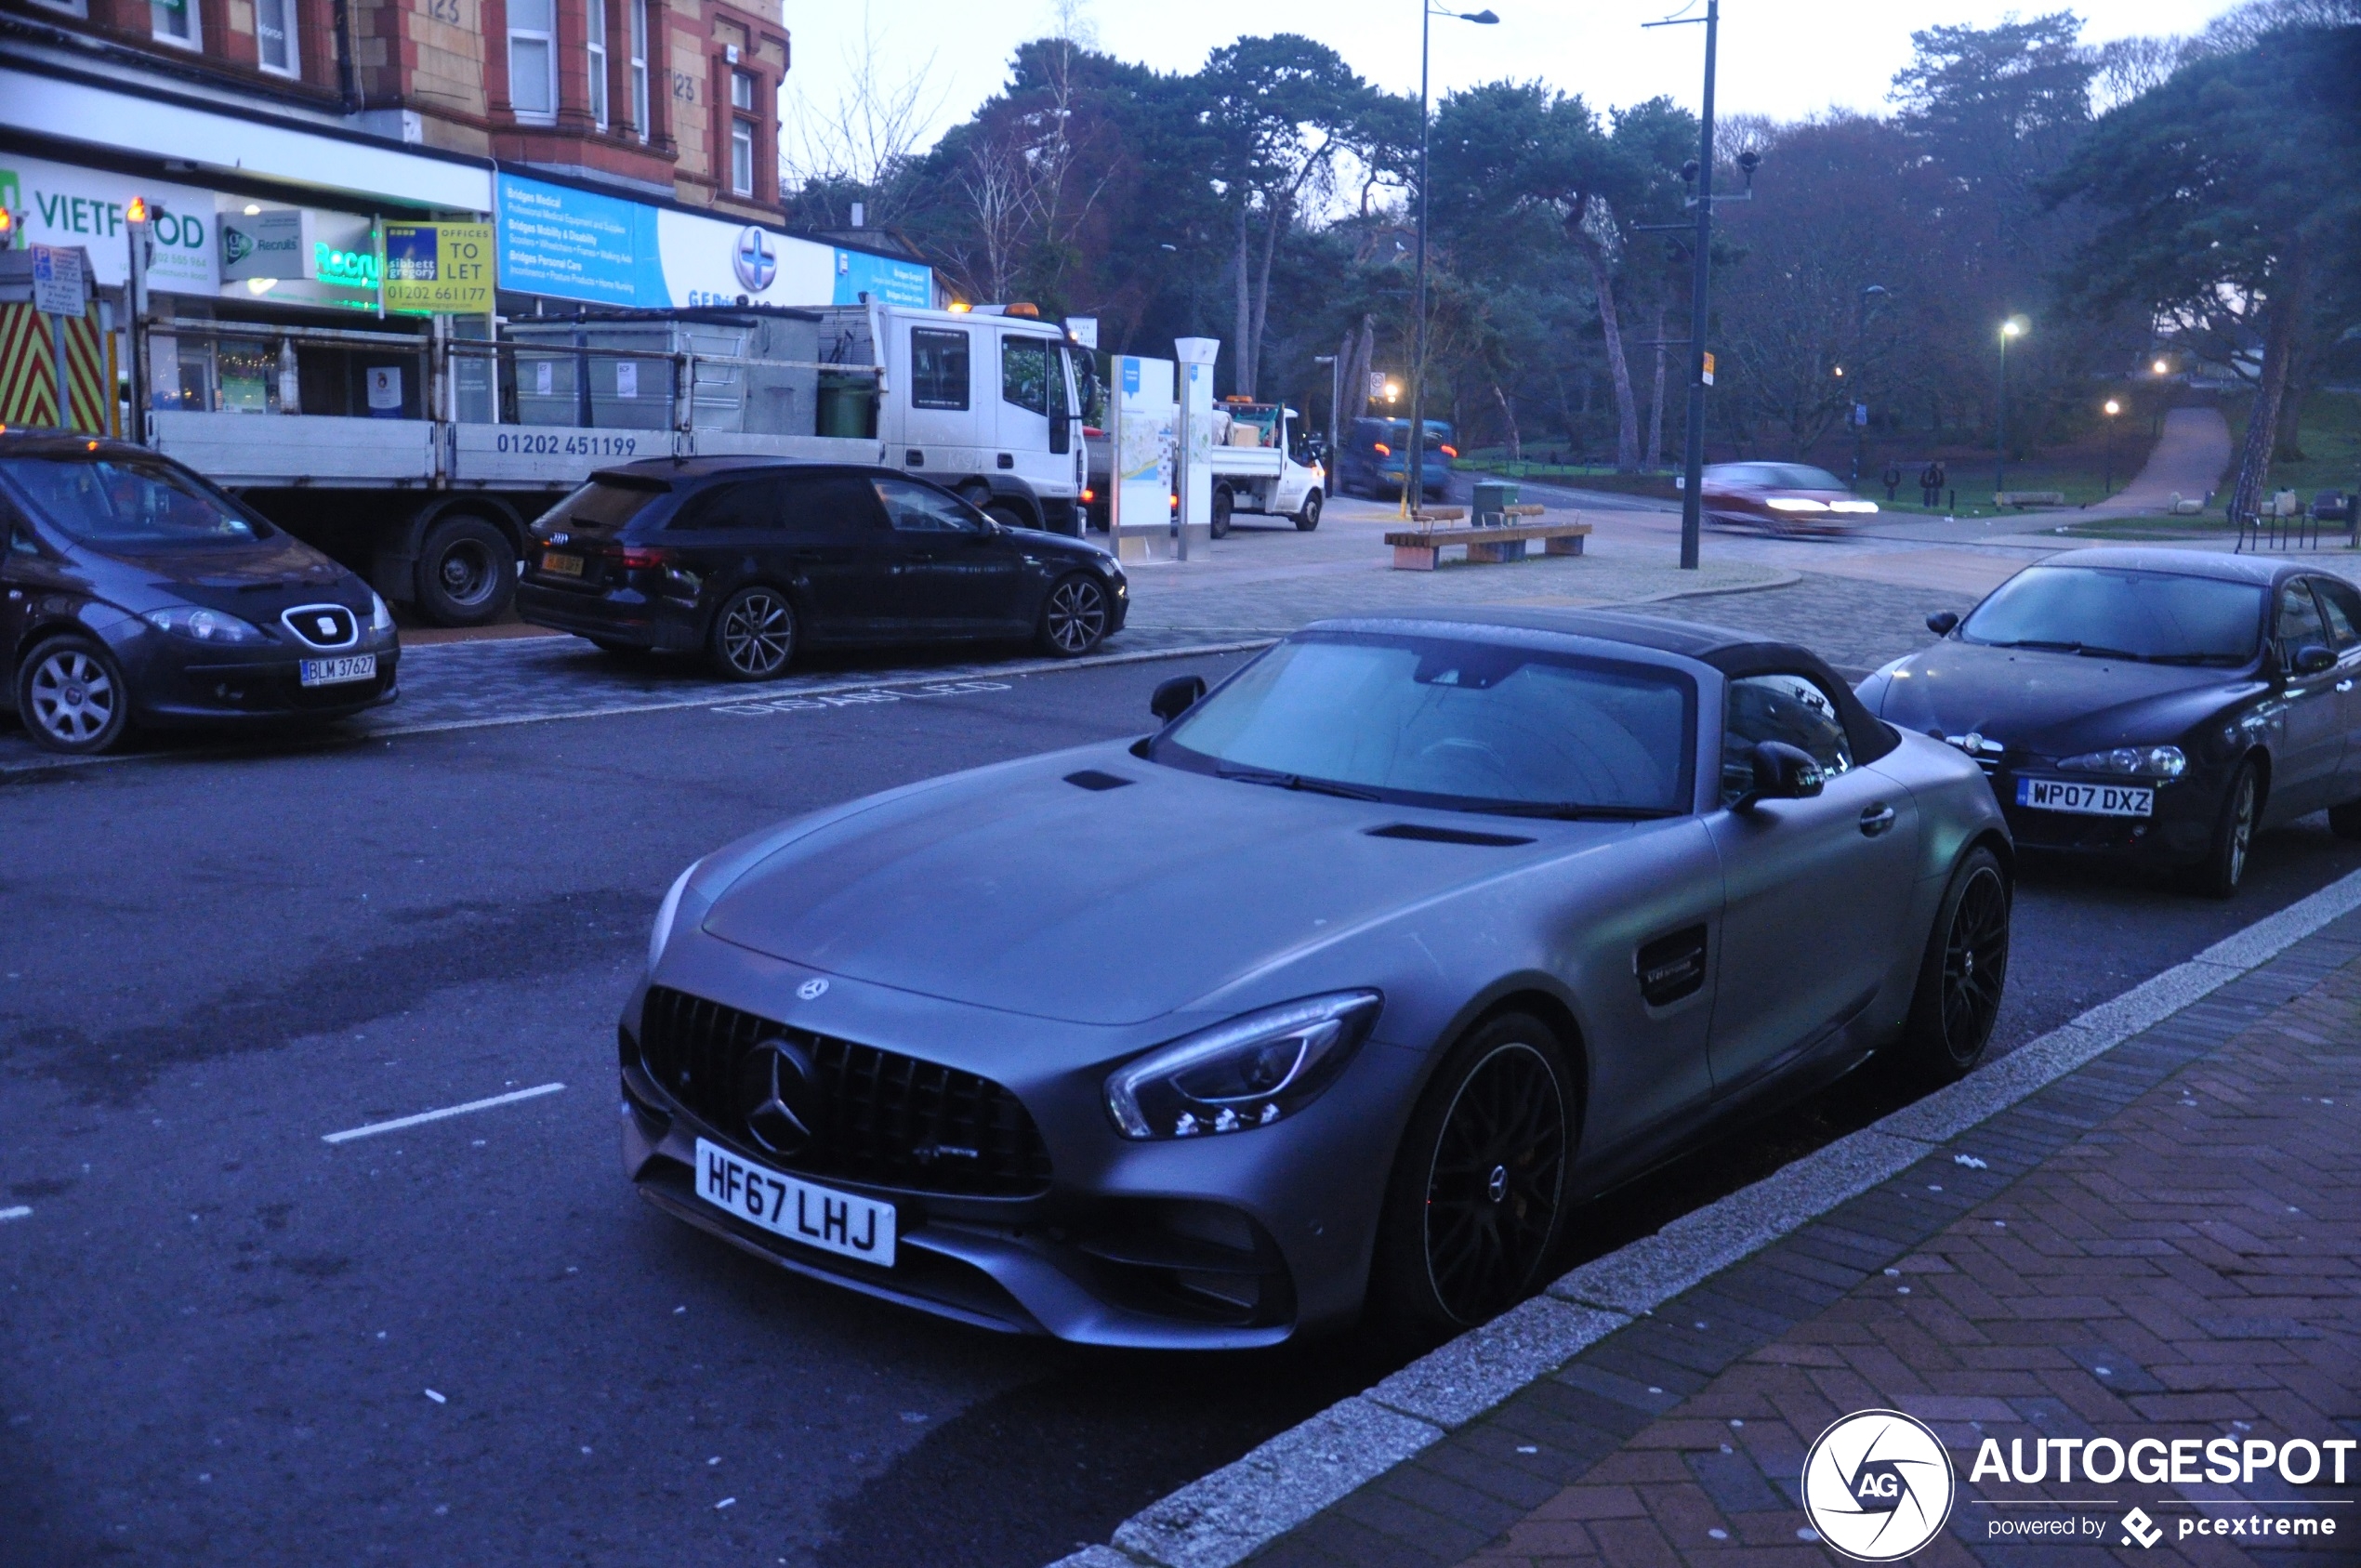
[[865, 139]]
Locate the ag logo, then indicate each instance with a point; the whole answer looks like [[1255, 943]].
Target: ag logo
[[755, 261], [1877, 1486]]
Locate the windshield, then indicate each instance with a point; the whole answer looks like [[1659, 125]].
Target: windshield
[[604, 505], [110, 501], [2147, 615], [1465, 725]]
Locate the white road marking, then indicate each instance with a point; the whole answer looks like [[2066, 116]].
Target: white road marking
[[22, 1211], [400, 1122]]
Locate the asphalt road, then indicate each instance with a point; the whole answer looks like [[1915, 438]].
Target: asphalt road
[[227, 1341]]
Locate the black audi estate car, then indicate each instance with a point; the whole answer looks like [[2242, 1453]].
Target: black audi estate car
[[2150, 704], [748, 563], [137, 593]]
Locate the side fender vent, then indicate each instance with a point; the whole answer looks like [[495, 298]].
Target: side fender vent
[[1425, 835], [1090, 778], [1670, 967]]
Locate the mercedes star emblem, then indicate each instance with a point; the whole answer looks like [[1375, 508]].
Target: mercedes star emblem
[[780, 1095]]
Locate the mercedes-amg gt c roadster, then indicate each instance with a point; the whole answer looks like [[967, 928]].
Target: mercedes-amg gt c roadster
[[1335, 995]]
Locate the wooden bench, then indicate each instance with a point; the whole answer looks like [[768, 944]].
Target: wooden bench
[[2023, 499], [1418, 549]]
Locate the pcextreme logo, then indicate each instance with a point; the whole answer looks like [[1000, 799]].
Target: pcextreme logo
[[1877, 1486]]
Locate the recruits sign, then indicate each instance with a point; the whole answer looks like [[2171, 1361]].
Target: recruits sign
[[439, 268]]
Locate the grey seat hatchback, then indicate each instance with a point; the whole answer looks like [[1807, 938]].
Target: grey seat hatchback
[[133, 592]]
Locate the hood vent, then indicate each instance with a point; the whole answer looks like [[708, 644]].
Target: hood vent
[[1091, 779], [1426, 834]]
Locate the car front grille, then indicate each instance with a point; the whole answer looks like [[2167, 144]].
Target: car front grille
[[885, 1119]]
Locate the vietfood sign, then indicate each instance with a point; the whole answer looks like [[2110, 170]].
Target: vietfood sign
[[63, 205]]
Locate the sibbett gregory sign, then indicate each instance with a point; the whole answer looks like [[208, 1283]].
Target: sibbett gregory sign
[[64, 206]]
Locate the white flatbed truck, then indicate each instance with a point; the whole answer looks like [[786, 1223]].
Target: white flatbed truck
[[1256, 465], [429, 488]]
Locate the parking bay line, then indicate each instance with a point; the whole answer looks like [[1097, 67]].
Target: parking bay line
[[373, 1128]]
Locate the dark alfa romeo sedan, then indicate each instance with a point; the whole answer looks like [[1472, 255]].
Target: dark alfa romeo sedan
[[139, 594], [749, 562], [2159, 706]]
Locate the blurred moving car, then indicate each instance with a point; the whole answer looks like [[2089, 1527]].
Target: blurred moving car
[[1475, 917], [2161, 705], [140, 594], [748, 562], [1781, 498], [1374, 459]]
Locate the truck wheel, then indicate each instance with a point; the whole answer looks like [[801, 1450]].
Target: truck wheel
[[1220, 512], [467, 572], [1007, 516], [1307, 517]]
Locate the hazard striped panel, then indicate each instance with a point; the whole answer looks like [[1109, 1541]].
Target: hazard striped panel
[[29, 370]]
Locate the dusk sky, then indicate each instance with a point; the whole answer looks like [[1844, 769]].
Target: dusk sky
[[1783, 58]]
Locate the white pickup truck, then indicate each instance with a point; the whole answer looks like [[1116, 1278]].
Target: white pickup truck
[[1260, 465], [428, 483]]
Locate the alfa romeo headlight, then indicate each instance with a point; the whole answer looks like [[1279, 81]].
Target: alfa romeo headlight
[[1247, 1072], [2153, 761], [1794, 504], [202, 625], [665, 913]]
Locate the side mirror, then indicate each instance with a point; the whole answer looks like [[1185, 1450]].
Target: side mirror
[[1176, 696], [1942, 623], [2312, 659], [1781, 772]]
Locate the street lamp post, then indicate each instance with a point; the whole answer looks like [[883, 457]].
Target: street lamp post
[[2012, 327], [1860, 354], [2106, 485], [1413, 487]]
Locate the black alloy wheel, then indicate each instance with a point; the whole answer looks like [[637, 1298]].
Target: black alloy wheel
[[1222, 505], [467, 572], [1964, 973], [754, 635], [1307, 517], [71, 697], [1074, 618], [2224, 866], [1477, 1198]]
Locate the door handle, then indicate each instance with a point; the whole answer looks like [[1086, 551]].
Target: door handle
[[1875, 819]]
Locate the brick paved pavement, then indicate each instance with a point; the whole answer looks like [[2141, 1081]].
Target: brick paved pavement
[[2160, 1244]]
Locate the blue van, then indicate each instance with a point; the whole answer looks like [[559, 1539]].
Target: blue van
[[1374, 459]]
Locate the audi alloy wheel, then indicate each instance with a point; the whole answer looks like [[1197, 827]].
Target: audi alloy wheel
[[1074, 618], [754, 635]]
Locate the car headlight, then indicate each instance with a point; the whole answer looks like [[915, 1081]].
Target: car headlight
[[1247, 1072], [1794, 504], [2153, 761], [203, 626], [1852, 505], [665, 913], [381, 617]]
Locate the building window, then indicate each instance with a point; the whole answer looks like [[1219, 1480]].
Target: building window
[[175, 21], [596, 46], [532, 59], [741, 134], [274, 36], [639, 13]]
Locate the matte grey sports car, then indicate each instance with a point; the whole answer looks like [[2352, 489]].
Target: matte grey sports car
[[1339, 992]]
